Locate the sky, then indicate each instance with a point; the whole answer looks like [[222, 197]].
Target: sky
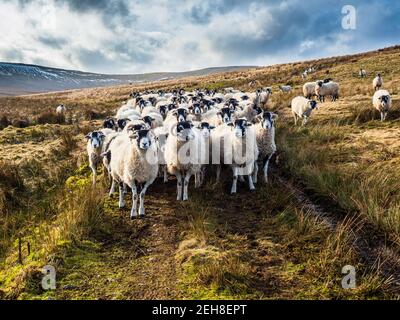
[[138, 36]]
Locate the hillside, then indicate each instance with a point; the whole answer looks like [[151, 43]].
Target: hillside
[[333, 201], [19, 79]]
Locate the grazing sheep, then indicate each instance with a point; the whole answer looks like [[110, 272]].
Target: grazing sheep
[[285, 89], [362, 73], [181, 156], [134, 162], [327, 89], [265, 135], [309, 89], [302, 108], [382, 102], [377, 83]]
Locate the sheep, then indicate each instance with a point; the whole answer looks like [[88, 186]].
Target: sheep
[[94, 149], [238, 148], [362, 73], [110, 123], [134, 162], [250, 112], [181, 156], [377, 83], [217, 117], [61, 110], [263, 96], [285, 89], [309, 89], [327, 89], [302, 108], [382, 102], [265, 135], [175, 116], [154, 120]]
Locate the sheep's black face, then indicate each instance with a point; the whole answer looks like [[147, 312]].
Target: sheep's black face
[[384, 101], [184, 131], [226, 115], [96, 139], [163, 110], [122, 123], [109, 124], [143, 139], [153, 101], [135, 127], [205, 129], [181, 114], [268, 120], [196, 109], [313, 104], [240, 126], [257, 109], [148, 121], [320, 83]]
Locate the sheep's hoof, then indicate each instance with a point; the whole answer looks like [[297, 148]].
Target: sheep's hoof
[[134, 217], [253, 190]]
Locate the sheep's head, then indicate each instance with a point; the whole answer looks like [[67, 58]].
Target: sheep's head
[[268, 119], [240, 127], [320, 83], [384, 101], [163, 110], [184, 131], [196, 109], [148, 120], [313, 104], [142, 138], [205, 129], [121, 123], [96, 139], [109, 124], [131, 128], [180, 114], [226, 115]]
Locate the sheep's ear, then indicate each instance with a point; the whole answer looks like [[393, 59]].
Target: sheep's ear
[[274, 116], [174, 112], [248, 124], [230, 124], [88, 136], [102, 135], [212, 127]]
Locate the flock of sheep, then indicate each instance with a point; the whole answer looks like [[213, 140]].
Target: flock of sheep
[[183, 134]]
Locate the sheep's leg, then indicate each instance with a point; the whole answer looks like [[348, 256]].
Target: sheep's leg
[[134, 201], [304, 121], [266, 166], [94, 171], [197, 180], [121, 195], [255, 173], [251, 184], [112, 190], [142, 193], [235, 179], [186, 186], [218, 173], [179, 186], [165, 174], [295, 119]]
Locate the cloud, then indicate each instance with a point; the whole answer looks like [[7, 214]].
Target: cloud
[[122, 36]]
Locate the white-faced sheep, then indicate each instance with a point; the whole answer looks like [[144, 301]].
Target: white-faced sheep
[[377, 83], [134, 162], [327, 89], [181, 156], [265, 135], [302, 109], [382, 102]]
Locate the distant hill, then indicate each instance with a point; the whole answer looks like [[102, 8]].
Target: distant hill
[[19, 79]]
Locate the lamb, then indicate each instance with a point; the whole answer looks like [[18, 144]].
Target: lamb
[[382, 102], [309, 89], [235, 144], [181, 156], [327, 89], [265, 135], [302, 108], [285, 89], [134, 162], [377, 83]]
